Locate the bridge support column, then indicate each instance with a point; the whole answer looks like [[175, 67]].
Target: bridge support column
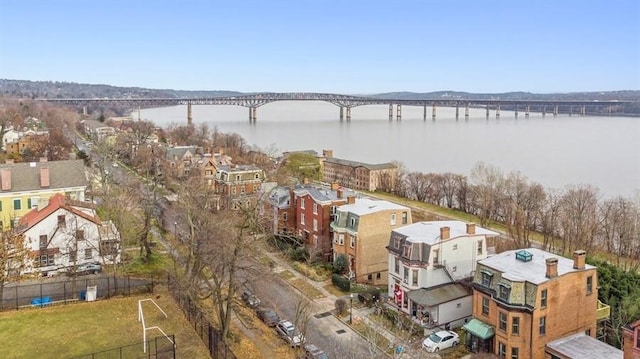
[[526, 114], [466, 112], [516, 112], [570, 110], [341, 113], [433, 112], [398, 112], [487, 112], [498, 112], [544, 110], [391, 112], [457, 111], [253, 114], [555, 110], [348, 114], [84, 110], [424, 113], [583, 111], [139, 113], [189, 114]]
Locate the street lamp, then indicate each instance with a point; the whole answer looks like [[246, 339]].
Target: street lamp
[[175, 230], [351, 308]]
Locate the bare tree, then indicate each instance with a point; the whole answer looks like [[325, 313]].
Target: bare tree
[[578, 217], [487, 189], [616, 229], [14, 258]]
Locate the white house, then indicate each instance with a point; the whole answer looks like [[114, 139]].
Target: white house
[[63, 233], [428, 262]]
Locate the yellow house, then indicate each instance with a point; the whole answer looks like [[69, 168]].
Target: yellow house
[[25, 185]]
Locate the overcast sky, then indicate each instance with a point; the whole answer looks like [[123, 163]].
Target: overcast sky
[[347, 46]]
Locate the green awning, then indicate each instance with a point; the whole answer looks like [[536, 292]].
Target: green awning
[[479, 329]]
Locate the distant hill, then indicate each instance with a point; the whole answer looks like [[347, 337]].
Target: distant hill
[[51, 89]]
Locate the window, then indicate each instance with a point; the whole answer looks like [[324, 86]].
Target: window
[[72, 254], [242, 189], [80, 235], [486, 278], [542, 328], [479, 247], [301, 203], [315, 208], [369, 277], [435, 257], [514, 353], [378, 275], [233, 190], [352, 223], [257, 176], [341, 239], [352, 241], [396, 265], [315, 224], [502, 316], [301, 218], [414, 277], [543, 299], [46, 260], [404, 217], [284, 216], [485, 305], [393, 219], [315, 240], [61, 221], [590, 284], [43, 241], [505, 290], [255, 188], [406, 251], [502, 350], [237, 177], [88, 253], [406, 274], [396, 242], [17, 204], [515, 326]]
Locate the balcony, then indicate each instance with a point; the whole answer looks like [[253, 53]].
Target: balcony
[[604, 311]]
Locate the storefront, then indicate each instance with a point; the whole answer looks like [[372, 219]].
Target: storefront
[[479, 338]]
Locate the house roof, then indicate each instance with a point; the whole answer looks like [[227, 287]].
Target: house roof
[[364, 206], [279, 197], [429, 232], [581, 345], [433, 296], [180, 151], [321, 194], [380, 166], [56, 202], [533, 271], [25, 176]]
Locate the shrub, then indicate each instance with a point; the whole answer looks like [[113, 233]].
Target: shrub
[[300, 254], [341, 282], [340, 264]]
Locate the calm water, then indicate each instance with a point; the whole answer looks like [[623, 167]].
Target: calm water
[[601, 151]]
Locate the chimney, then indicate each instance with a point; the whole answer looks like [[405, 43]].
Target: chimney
[[445, 232], [579, 258], [305, 180], [552, 267], [340, 193], [43, 159], [471, 228], [327, 153], [9, 161], [5, 173], [44, 177], [351, 199], [335, 186]]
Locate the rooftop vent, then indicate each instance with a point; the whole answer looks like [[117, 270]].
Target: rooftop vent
[[524, 256]]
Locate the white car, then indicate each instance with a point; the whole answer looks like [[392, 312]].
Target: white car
[[440, 340], [289, 333]]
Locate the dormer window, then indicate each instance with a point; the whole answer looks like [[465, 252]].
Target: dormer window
[[396, 242], [486, 278], [406, 251], [505, 291]]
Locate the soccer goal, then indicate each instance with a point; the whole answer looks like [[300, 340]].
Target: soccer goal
[[144, 325]]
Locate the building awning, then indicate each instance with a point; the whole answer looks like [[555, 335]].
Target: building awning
[[479, 329]]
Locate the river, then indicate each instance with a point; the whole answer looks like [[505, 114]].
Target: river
[[555, 152]]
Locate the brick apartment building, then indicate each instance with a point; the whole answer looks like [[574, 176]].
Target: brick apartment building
[[357, 175]]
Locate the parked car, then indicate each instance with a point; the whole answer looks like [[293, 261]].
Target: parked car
[[290, 333], [250, 299], [85, 268], [269, 317], [313, 352], [441, 340]]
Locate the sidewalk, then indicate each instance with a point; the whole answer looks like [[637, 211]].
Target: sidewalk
[[327, 304]]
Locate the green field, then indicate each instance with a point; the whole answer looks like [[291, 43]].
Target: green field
[[72, 330]]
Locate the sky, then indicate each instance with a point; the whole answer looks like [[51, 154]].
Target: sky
[[346, 46]]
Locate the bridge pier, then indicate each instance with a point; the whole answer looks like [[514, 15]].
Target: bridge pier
[[570, 110], [583, 111], [498, 112], [457, 111], [138, 113], [341, 113], [544, 110], [487, 112], [466, 112], [526, 114], [433, 112], [555, 110], [189, 114], [424, 113], [391, 112], [516, 112], [348, 114], [398, 112], [84, 110]]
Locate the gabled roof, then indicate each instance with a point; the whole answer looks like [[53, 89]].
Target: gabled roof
[[25, 176], [320, 194], [180, 151], [56, 202]]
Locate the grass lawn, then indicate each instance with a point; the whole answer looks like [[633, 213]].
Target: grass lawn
[[66, 331]]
